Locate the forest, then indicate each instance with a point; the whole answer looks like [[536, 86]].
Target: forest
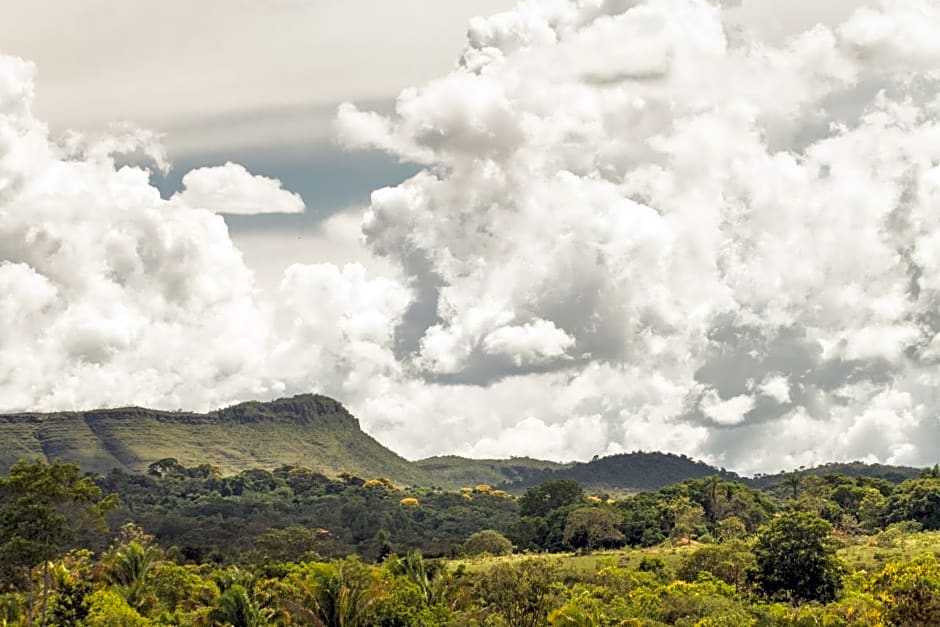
[[182, 545]]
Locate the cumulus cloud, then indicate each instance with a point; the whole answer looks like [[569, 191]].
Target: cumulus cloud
[[109, 294], [230, 188], [680, 194], [649, 224], [776, 388], [726, 412]]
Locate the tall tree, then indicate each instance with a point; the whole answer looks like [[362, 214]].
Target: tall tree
[[128, 565], [592, 528], [796, 559], [342, 593], [521, 592], [43, 508]]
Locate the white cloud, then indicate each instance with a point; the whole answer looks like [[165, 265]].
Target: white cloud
[[732, 411], [230, 188], [112, 295], [634, 231], [532, 342], [896, 36], [776, 387], [532, 437], [704, 209], [223, 61]]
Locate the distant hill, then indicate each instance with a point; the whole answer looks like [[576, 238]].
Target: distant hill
[[309, 430], [894, 474], [639, 471], [454, 472], [629, 472], [319, 433]]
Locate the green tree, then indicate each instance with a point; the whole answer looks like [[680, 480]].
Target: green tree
[[931, 472], [415, 594], [71, 577], [730, 561], [793, 481], [796, 559], [487, 541], [645, 521], [731, 528], [871, 509], [237, 608], [181, 588], [527, 533], [548, 496], [282, 545], [342, 593], [592, 528], [687, 516], [521, 592], [128, 565], [918, 500], [43, 508], [108, 609], [411, 566]]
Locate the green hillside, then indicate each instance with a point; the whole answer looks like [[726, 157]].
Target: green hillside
[[629, 472], [319, 433], [892, 474], [309, 430], [452, 472]]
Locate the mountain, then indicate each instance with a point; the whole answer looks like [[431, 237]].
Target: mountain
[[633, 472], [629, 472], [309, 430], [319, 433]]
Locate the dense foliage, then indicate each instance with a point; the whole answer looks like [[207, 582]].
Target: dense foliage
[[189, 546]]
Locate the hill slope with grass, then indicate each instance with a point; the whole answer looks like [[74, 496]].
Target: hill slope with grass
[[309, 430], [452, 472], [319, 433]]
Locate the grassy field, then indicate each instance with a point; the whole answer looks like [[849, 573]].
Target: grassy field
[[869, 553], [580, 564]]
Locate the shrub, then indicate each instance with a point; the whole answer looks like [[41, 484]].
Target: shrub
[[487, 541]]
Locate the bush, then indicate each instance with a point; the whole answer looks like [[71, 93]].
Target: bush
[[487, 541], [108, 609]]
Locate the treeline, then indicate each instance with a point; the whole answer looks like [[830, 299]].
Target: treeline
[[206, 517], [188, 546]]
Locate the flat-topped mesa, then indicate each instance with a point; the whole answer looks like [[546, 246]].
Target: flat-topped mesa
[[308, 429], [302, 408], [305, 409]]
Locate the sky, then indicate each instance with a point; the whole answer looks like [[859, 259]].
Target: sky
[[557, 228]]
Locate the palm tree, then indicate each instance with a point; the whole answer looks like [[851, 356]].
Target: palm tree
[[339, 594], [127, 568], [793, 481], [236, 608], [412, 566], [710, 485]]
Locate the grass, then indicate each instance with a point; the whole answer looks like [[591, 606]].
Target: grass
[[871, 553], [577, 564], [858, 552]]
